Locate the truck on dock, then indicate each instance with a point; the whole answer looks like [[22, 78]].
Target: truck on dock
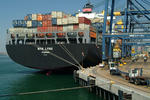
[[114, 68], [135, 76]]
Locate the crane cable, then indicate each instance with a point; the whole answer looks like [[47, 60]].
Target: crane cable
[[61, 58], [70, 54]]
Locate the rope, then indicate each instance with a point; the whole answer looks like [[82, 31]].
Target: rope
[[70, 54], [44, 91], [61, 58]]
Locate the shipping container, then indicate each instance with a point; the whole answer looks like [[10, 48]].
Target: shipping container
[[39, 24], [46, 23], [76, 27], [72, 34], [64, 21], [70, 27], [29, 23], [34, 16], [19, 23], [60, 14], [60, 28], [54, 14], [70, 20], [41, 29], [50, 29], [39, 17], [54, 28], [46, 17], [32, 24], [59, 21], [84, 27], [75, 20], [54, 21], [83, 20], [29, 17], [65, 28]]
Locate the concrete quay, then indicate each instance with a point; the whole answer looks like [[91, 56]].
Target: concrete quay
[[110, 87]]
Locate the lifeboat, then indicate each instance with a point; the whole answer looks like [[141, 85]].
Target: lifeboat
[[49, 35], [81, 34], [61, 34], [40, 35]]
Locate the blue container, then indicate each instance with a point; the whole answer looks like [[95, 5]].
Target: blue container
[[19, 23], [34, 23], [14, 23], [40, 24], [29, 16], [54, 21], [24, 23]]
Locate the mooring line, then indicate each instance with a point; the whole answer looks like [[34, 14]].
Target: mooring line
[[45, 91]]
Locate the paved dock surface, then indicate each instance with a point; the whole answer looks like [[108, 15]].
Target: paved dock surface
[[104, 80], [120, 80]]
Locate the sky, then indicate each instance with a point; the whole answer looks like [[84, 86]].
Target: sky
[[17, 9]]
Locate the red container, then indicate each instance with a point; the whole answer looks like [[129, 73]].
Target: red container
[[60, 28], [39, 29], [83, 20], [50, 29], [54, 28], [47, 23], [46, 17], [75, 27], [42, 29], [65, 16]]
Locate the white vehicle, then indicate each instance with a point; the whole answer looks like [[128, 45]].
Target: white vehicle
[[135, 76], [113, 69]]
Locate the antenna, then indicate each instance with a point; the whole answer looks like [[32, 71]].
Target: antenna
[[89, 1]]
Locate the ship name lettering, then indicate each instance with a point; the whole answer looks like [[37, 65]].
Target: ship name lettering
[[44, 48]]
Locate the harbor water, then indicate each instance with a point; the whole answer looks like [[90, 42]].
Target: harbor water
[[15, 78]]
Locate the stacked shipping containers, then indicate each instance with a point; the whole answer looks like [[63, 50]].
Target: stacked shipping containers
[[56, 22]]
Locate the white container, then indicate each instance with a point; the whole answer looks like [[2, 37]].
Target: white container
[[29, 23], [75, 20], [70, 27], [59, 21], [84, 27], [59, 14], [81, 26], [64, 21], [34, 16], [65, 28], [70, 20], [54, 14]]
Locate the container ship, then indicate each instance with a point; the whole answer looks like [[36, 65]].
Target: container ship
[[56, 40]]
